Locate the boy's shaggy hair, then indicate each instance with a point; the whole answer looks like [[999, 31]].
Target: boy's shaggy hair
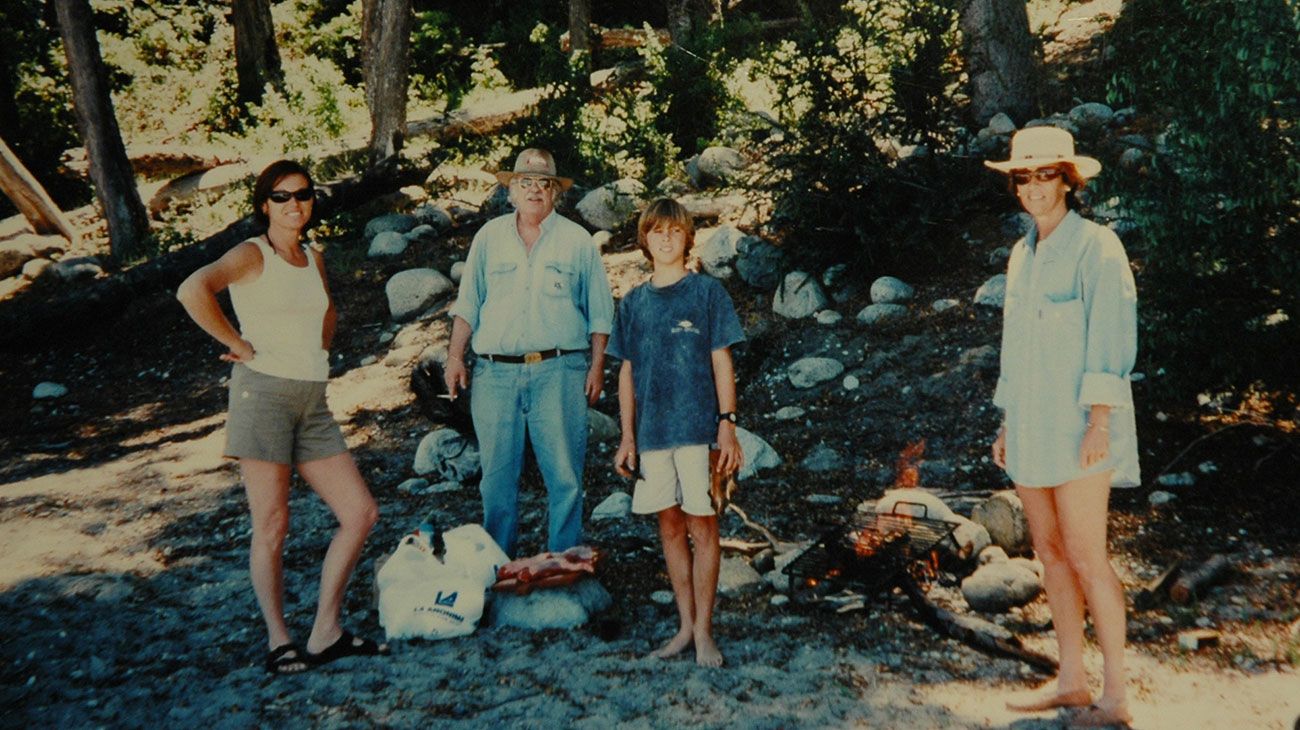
[[664, 211]]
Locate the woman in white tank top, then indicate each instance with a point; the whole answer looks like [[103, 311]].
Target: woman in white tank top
[[278, 418]]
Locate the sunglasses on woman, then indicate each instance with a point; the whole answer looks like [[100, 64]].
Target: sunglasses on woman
[[302, 195], [1042, 174]]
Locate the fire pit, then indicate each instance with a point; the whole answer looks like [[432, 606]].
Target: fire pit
[[871, 551]]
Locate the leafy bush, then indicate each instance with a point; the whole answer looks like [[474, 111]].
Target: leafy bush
[[1217, 205], [867, 91]]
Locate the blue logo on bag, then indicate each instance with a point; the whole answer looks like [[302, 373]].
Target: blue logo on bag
[[447, 600]]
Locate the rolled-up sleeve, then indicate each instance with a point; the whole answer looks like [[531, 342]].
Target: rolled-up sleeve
[[473, 287], [600, 302], [1110, 300]]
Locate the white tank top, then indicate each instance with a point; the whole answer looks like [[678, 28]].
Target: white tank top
[[282, 314]]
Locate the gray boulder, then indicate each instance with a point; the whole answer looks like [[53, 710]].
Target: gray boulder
[[616, 506], [788, 413], [798, 296], [874, 314], [715, 165], [448, 454], [414, 290], [396, 222], [890, 290], [457, 269], [435, 216], [609, 206], [822, 458], [828, 317], [601, 239], [48, 391], [1091, 116], [759, 454], [601, 427], [566, 607], [387, 243], [77, 269], [943, 305], [1001, 124], [717, 250], [809, 371], [1003, 515], [737, 576], [758, 262], [992, 292], [996, 587]]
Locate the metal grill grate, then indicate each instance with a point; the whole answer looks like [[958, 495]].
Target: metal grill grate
[[870, 550]]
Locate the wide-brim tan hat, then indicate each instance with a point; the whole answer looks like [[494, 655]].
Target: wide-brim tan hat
[[534, 163], [1041, 146]]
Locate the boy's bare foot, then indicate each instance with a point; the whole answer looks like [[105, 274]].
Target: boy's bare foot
[[706, 652], [675, 645], [1051, 700], [1103, 715]]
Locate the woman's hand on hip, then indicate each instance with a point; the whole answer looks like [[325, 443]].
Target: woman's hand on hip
[[1000, 448], [241, 351], [1095, 447]]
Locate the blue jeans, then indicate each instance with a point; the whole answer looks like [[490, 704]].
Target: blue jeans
[[545, 402]]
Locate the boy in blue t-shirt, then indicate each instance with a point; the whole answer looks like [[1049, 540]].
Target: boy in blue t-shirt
[[677, 396]]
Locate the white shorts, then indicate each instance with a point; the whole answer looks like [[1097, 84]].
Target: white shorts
[[671, 477]]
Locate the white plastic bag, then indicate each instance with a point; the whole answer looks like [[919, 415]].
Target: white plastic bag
[[419, 596], [471, 550]]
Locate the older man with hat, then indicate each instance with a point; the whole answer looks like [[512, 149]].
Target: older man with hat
[[535, 305]]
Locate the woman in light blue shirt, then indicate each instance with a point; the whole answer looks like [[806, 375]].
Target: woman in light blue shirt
[[1069, 339]]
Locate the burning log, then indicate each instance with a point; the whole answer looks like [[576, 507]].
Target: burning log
[[1193, 582], [973, 631], [1150, 594]]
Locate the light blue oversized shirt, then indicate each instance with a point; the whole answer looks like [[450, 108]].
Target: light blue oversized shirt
[[1069, 341], [517, 302]]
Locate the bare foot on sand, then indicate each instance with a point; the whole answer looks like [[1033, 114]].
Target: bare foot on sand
[[1051, 700], [1103, 714], [706, 652], [675, 645]]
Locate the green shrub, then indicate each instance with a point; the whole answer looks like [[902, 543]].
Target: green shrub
[[863, 81], [1217, 205]]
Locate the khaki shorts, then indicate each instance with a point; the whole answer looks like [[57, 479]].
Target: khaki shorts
[[671, 477], [279, 420]]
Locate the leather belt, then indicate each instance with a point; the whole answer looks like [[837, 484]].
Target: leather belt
[[529, 358]]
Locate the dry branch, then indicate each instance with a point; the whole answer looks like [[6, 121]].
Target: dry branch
[[158, 160]]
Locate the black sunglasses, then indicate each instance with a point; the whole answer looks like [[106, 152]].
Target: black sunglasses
[[302, 195], [1042, 174]]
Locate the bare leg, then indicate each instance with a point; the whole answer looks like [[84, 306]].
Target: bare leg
[[677, 557], [1064, 596], [1081, 505], [343, 489], [267, 486], [704, 583]]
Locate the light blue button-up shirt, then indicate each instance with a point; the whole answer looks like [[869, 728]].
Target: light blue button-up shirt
[[1069, 340], [517, 302]]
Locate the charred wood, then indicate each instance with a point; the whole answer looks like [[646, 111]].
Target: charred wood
[[1151, 593], [1194, 582]]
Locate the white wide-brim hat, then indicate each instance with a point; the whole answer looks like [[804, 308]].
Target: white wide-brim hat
[[534, 163], [1041, 146]]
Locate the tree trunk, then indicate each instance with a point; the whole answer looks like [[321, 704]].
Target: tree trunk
[[110, 171], [257, 60], [385, 34], [687, 16], [580, 25], [1001, 59], [30, 198]]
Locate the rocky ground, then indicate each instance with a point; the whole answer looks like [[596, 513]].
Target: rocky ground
[[127, 601]]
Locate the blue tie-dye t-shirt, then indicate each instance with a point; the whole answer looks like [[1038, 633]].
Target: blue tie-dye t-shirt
[[669, 335]]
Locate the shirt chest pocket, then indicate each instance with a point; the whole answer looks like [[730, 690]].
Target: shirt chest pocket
[[557, 280], [502, 273]]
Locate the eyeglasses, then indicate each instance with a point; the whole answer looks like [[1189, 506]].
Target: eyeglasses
[[1042, 174], [302, 195], [541, 183]]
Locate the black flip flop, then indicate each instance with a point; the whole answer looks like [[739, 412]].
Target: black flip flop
[[347, 645], [285, 658]]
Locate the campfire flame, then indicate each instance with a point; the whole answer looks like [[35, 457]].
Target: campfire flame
[[909, 465]]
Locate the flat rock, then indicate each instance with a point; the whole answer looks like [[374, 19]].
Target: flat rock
[[996, 587], [393, 222], [736, 576], [874, 314], [48, 390], [616, 506], [759, 454], [943, 305], [822, 458], [828, 317], [412, 291], [809, 371], [799, 296], [788, 413]]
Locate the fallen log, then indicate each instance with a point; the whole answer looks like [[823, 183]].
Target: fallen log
[[1155, 588], [975, 632], [1194, 582], [31, 320], [30, 198], [158, 160]]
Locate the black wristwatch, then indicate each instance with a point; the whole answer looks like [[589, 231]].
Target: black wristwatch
[[728, 416]]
